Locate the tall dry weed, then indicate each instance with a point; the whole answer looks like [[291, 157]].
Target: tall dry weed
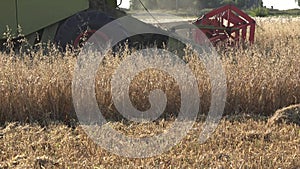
[[260, 79]]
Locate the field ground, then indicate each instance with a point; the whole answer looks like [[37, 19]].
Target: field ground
[[237, 143], [36, 110]]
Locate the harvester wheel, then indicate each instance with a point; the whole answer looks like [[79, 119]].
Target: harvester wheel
[[79, 27]]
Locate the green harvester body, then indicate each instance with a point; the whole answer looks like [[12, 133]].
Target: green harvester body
[[43, 21], [28, 16]]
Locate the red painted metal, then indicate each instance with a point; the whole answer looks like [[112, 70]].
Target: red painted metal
[[227, 23]]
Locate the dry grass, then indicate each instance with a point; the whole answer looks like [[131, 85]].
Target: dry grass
[[233, 145], [290, 114], [261, 79]]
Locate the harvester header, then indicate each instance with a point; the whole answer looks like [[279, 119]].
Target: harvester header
[[227, 23]]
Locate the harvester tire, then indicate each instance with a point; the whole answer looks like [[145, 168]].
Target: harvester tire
[[84, 23]]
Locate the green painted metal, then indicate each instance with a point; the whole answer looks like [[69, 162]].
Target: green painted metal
[[8, 17], [49, 32], [31, 38], [48, 35], [34, 15], [112, 3]]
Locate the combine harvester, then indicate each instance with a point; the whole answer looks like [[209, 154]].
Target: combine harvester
[[69, 22]]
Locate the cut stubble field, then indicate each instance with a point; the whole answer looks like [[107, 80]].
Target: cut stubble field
[[39, 128]]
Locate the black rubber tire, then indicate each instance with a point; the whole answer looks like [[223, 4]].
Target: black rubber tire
[[78, 24]]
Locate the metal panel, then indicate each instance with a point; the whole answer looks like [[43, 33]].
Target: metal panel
[[49, 33], [34, 15], [8, 16]]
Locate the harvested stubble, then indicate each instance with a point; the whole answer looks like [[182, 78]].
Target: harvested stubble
[[233, 145]]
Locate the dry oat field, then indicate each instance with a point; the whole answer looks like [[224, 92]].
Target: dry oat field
[[260, 127]]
